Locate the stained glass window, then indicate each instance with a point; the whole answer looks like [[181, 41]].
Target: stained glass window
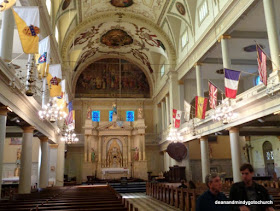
[[130, 116], [96, 116], [110, 116]]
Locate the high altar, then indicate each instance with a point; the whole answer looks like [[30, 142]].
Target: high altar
[[115, 149]]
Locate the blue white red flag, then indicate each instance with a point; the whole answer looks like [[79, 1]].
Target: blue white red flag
[[231, 82]]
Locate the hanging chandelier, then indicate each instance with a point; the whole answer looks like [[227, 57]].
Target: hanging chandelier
[[69, 137], [174, 135], [224, 113], [52, 111]]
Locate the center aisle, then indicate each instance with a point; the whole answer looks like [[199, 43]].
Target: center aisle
[[147, 203]]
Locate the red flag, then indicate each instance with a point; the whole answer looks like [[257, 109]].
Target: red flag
[[177, 118], [213, 91], [262, 65]]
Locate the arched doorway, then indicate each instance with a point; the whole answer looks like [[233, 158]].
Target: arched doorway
[[268, 158]]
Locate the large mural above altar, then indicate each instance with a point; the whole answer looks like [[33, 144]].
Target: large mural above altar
[[112, 78]]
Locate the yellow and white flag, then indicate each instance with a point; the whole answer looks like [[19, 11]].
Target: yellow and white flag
[[28, 24], [54, 78], [43, 58], [5, 5], [61, 100]]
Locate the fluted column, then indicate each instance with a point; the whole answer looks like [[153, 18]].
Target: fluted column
[[7, 35], [26, 161], [225, 50], [99, 149], [53, 163], [3, 120], [44, 173], [199, 80], [173, 93], [270, 20], [142, 137], [205, 162], [235, 153], [129, 149], [60, 163], [167, 111], [159, 118], [163, 113]]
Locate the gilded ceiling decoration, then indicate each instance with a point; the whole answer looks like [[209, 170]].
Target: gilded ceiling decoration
[[121, 3], [116, 38], [112, 78]]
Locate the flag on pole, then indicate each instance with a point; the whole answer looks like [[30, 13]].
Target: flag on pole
[[200, 107], [231, 82], [187, 109], [177, 118], [213, 91], [70, 119], [262, 65], [28, 24], [54, 80], [43, 57], [5, 5]]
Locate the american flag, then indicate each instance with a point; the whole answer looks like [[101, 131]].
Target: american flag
[[70, 117], [262, 65], [212, 95]]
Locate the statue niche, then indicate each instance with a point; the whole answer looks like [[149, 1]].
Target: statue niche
[[114, 158]]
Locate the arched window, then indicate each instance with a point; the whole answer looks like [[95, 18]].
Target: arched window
[[49, 6]]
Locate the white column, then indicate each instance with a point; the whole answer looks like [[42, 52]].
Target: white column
[[205, 163], [173, 92], [235, 153], [45, 98], [163, 113], [199, 80], [167, 111], [129, 149], [225, 51], [99, 150], [3, 120], [44, 168], [159, 118], [85, 149], [52, 163], [181, 99], [270, 20], [26, 161], [7, 35], [60, 163], [142, 137]]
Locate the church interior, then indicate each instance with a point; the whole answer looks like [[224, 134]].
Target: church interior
[[148, 91]]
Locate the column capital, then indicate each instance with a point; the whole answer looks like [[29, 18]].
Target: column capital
[[43, 138], [198, 64], [204, 138], [163, 100], [181, 82], [53, 146], [167, 95], [159, 105], [3, 110], [28, 129], [233, 130], [224, 37]]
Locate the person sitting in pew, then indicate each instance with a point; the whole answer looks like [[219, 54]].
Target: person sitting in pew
[[210, 199], [182, 184], [192, 185]]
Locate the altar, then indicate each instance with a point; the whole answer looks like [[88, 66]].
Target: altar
[[114, 173]]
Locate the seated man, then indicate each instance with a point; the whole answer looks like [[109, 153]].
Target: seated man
[[182, 184], [208, 200], [249, 190]]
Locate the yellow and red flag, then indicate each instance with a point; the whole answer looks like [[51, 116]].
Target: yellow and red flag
[[200, 107], [54, 78]]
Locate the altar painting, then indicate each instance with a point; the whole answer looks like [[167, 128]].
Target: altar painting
[[107, 78], [114, 155]]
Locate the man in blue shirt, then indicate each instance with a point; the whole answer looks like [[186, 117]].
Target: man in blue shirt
[[210, 200]]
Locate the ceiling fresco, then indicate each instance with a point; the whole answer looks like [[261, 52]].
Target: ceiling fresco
[[121, 3], [112, 78], [116, 38]]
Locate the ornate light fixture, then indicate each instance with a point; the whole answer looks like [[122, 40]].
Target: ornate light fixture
[[174, 135], [69, 137], [224, 112], [52, 111]]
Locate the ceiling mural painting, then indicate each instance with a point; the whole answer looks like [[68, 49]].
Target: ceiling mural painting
[[116, 38], [112, 78], [180, 8], [66, 4], [121, 3], [150, 9]]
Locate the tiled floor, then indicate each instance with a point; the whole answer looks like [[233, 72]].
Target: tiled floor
[[147, 203]]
